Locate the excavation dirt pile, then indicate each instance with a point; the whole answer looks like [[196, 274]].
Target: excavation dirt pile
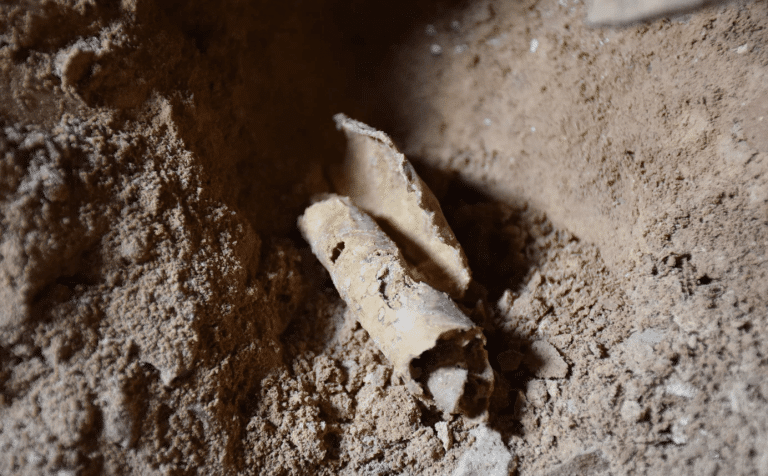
[[160, 312]]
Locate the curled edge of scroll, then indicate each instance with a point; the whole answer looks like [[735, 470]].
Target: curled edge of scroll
[[381, 181]]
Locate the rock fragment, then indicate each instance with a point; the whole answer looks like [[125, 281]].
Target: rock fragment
[[381, 181], [545, 361], [444, 434], [681, 389], [631, 411], [436, 350], [488, 456], [446, 384], [621, 12], [593, 462]]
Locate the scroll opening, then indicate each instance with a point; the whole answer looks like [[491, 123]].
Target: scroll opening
[[454, 372]]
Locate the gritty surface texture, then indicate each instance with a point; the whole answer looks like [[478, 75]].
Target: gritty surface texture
[[160, 314]]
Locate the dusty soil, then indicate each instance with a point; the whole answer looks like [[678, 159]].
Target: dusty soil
[[160, 313]]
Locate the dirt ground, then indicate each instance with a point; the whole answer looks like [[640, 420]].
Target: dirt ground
[[161, 314]]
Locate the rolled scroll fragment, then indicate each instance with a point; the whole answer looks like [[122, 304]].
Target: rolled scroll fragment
[[382, 182], [436, 350]]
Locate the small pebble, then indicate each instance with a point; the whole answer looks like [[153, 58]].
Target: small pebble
[[545, 361]]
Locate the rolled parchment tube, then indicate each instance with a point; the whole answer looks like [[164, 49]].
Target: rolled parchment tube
[[436, 350], [382, 182]]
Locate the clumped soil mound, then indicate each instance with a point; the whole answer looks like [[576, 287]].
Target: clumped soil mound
[[160, 313]]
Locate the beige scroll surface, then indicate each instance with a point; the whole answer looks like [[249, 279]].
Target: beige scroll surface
[[437, 351], [382, 182]]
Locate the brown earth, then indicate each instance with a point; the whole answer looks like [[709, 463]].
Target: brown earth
[[160, 313]]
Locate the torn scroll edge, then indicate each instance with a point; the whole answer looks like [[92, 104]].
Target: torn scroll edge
[[381, 181], [433, 347]]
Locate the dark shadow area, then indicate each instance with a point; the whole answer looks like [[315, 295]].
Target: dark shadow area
[[495, 236], [254, 87], [500, 241]]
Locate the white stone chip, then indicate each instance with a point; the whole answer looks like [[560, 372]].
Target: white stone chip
[[680, 389], [488, 456], [444, 434], [631, 411], [447, 386]]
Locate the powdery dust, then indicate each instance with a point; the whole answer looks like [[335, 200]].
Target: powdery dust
[[159, 313]]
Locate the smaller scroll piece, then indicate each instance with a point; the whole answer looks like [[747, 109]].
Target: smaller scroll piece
[[381, 181]]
